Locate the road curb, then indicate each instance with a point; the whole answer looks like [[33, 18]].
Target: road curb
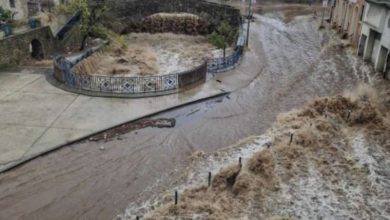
[[11, 166]]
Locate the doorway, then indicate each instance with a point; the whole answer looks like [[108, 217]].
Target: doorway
[[36, 49]]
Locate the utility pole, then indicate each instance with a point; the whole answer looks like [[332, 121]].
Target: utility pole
[[249, 22]]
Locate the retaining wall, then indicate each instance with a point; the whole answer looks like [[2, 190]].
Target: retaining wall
[[133, 11]]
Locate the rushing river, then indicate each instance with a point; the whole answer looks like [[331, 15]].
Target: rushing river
[[82, 181]]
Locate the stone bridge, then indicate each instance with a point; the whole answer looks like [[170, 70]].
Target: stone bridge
[[36, 43]]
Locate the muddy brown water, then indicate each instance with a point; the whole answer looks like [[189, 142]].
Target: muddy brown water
[[85, 181]]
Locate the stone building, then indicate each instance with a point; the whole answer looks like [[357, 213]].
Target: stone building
[[347, 18], [19, 8], [374, 43], [22, 9]]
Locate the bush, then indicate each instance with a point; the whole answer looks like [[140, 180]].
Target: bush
[[223, 37], [5, 14]]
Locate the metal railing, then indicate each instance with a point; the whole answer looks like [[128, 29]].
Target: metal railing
[[140, 84], [108, 84], [221, 64]]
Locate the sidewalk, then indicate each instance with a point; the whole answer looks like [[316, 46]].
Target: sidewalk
[[36, 117]]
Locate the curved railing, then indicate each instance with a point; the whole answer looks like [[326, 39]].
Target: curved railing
[[123, 86], [139, 86], [221, 64]]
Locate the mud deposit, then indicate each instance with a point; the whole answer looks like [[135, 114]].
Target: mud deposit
[[299, 64], [328, 160]]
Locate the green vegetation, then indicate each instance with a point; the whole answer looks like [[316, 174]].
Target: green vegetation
[[5, 14], [223, 36], [91, 19]]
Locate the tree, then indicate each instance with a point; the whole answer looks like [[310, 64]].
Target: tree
[[223, 36], [5, 15], [91, 17]]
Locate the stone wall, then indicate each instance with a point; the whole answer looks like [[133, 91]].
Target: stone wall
[[132, 12], [16, 49], [193, 77], [73, 38], [179, 24]]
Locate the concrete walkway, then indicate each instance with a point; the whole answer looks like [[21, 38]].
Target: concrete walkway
[[36, 117]]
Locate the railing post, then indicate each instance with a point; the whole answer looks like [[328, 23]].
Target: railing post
[[209, 180], [176, 197]]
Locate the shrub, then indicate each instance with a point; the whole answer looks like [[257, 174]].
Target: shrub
[[5, 14]]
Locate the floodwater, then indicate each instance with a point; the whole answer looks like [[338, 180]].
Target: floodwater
[[98, 180]]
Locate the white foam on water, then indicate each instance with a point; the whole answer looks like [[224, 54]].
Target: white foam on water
[[197, 174]]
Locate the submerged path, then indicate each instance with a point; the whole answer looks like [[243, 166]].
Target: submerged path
[[99, 179]]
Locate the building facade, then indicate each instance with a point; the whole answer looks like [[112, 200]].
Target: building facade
[[346, 17], [19, 8], [374, 43], [22, 9]]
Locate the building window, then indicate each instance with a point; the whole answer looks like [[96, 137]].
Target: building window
[[12, 3], [388, 23], [362, 14]]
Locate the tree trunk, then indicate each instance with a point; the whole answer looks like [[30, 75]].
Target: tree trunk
[[224, 49], [83, 42], [224, 52]]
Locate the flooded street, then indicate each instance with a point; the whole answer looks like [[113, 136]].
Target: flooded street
[[99, 179]]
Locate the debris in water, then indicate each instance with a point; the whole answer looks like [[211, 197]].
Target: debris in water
[[310, 175]]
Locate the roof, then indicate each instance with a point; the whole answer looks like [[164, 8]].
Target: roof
[[385, 3]]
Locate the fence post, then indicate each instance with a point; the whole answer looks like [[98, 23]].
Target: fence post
[[349, 114], [176, 197], [209, 180]]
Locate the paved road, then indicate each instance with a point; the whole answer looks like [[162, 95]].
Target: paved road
[[291, 65], [36, 117]]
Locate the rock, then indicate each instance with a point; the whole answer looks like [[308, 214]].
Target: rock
[[122, 60]]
